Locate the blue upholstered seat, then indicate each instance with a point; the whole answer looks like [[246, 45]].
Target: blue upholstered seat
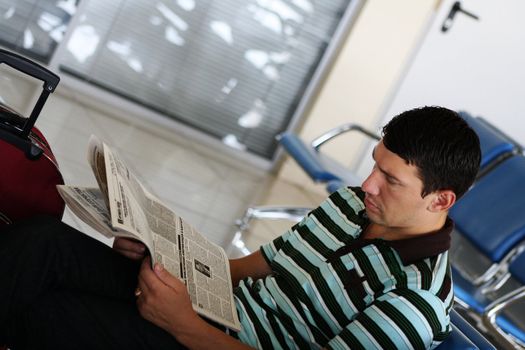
[[490, 217], [490, 231]]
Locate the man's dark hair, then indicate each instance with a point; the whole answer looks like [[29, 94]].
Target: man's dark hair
[[439, 143]]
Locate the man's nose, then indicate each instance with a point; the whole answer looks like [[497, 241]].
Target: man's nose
[[370, 185]]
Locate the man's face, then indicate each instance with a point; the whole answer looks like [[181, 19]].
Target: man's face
[[393, 193]]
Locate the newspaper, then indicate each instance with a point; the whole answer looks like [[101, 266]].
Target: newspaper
[[123, 207]]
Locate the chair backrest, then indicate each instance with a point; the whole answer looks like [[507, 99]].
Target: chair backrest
[[306, 157], [319, 167], [491, 214], [495, 145]]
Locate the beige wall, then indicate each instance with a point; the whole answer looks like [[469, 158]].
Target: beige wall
[[362, 78]]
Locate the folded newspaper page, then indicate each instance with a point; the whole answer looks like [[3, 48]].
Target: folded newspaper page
[[122, 206]]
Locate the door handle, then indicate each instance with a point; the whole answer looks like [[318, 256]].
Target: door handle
[[455, 9]]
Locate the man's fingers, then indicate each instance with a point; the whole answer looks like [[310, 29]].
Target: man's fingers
[[147, 278], [130, 248], [166, 277], [158, 277], [131, 255], [127, 244]]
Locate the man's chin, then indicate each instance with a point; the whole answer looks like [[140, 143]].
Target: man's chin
[[373, 216], [371, 212]]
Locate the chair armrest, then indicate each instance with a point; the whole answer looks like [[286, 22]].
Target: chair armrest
[[330, 134], [290, 213], [498, 273], [494, 309]]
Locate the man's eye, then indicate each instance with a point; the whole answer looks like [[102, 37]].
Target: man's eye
[[391, 181]]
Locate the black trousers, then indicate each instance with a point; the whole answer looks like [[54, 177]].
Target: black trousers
[[60, 289]]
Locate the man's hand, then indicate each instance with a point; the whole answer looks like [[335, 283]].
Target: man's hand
[[164, 300], [130, 248]]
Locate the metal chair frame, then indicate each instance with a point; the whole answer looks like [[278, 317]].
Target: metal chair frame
[[494, 309]]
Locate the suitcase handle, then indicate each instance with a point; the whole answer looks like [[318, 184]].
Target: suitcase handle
[[19, 135], [31, 68]]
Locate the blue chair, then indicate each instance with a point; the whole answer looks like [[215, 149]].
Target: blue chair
[[505, 316], [489, 221], [464, 336], [334, 185], [489, 237], [495, 145], [320, 167]]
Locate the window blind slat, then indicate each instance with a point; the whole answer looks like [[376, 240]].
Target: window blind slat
[[228, 67], [32, 28]]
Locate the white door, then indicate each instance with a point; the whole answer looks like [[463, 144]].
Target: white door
[[476, 65]]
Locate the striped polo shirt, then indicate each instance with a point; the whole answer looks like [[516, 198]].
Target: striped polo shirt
[[332, 289]]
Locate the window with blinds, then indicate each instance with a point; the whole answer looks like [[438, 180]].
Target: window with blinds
[[34, 27], [234, 69]]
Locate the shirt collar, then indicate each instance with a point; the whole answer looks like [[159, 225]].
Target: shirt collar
[[423, 246]]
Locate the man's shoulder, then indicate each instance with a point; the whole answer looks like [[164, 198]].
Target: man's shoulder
[[349, 193], [349, 202]]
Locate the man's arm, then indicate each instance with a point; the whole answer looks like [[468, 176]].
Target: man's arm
[[253, 265], [164, 301], [399, 319]]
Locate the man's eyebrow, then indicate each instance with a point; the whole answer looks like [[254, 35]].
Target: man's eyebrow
[[392, 177]]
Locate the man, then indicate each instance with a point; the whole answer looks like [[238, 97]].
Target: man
[[367, 269]]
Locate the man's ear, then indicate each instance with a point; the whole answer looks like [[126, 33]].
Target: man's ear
[[442, 201]]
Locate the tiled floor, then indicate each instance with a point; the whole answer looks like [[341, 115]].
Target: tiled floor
[[209, 193]]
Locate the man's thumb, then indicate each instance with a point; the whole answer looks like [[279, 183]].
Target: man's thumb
[[165, 276]]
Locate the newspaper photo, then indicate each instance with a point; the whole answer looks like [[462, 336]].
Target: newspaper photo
[[123, 207]]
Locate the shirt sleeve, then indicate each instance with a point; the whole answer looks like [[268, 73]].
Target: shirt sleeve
[[269, 250], [348, 202], [400, 319]]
